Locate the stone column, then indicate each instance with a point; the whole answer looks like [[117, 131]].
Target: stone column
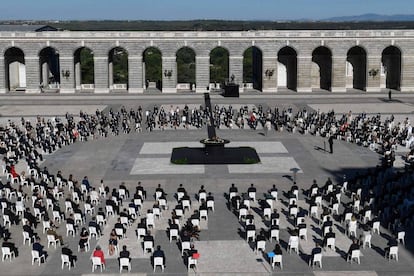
[[78, 77], [67, 84], [407, 73], [135, 75], [169, 65], [236, 69], [304, 80], [338, 74], [374, 82], [2, 76], [269, 81], [32, 74], [111, 74], [101, 74], [202, 73]]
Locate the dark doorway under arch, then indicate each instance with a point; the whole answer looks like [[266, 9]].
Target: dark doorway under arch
[[391, 62], [253, 67], [15, 69], [357, 59], [153, 68], [322, 57], [287, 68]]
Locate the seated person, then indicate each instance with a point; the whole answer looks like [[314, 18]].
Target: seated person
[[11, 246], [99, 253], [124, 254], [159, 253], [72, 258], [39, 248], [354, 246]]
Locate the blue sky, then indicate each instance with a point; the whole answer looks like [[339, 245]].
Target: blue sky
[[197, 9]]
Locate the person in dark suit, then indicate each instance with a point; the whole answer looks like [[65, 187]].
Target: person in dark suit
[[27, 228], [277, 250], [72, 258], [316, 250], [354, 246], [124, 254], [159, 253], [11, 246], [39, 248], [93, 223], [328, 235], [118, 224], [251, 189], [330, 141]]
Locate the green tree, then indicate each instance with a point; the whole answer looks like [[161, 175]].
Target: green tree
[[186, 65], [219, 65], [87, 66], [248, 65], [153, 64], [120, 65]]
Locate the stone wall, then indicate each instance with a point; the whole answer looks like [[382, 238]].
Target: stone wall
[[373, 42]]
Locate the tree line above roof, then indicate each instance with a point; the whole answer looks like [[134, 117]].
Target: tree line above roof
[[202, 25]]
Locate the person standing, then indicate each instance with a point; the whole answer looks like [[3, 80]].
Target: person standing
[[330, 141], [389, 95]]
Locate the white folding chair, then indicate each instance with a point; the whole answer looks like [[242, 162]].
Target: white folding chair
[[89, 209], [317, 258], [26, 237], [70, 229], [314, 211], [96, 261], [109, 210], [401, 237], [392, 253], [204, 214], [65, 261], [210, 205], [293, 244], [148, 246], [192, 262], [124, 262], [367, 240], [159, 261], [352, 228], [150, 220], [173, 233], [36, 257], [250, 234], [330, 243], [376, 227], [202, 196], [303, 232], [6, 253], [52, 240], [93, 232], [186, 204], [277, 259], [100, 220], [274, 234], [141, 232], [355, 254], [242, 213], [185, 245], [46, 226], [260, 246]]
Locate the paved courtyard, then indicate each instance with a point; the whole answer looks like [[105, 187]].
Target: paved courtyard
[[145, 157]]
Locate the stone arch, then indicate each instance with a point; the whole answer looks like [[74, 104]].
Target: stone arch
[[287, 68], [186, 65], [152, 67], [118, 68], [84, 68], [253, 67], [356, 71], [219, 65], [15, 69], [49, 68], [391, 67], [322, 58]]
